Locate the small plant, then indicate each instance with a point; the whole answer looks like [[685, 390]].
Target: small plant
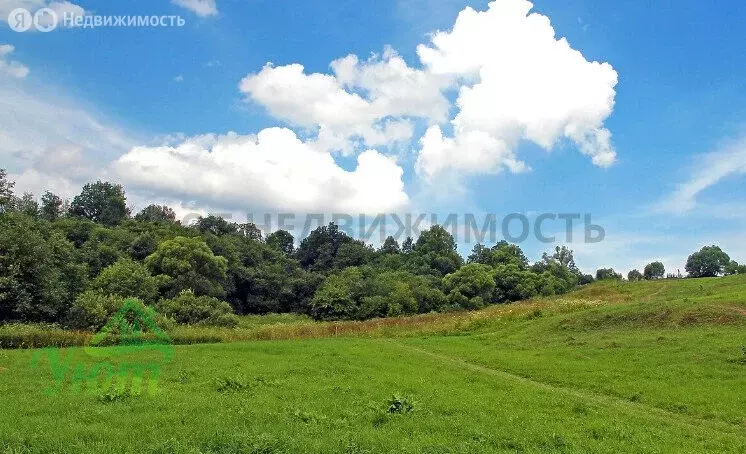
[[114, 395], [231, 384], [400, 404]]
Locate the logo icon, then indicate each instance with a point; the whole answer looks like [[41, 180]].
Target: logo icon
[[20, 20], [45, 20]]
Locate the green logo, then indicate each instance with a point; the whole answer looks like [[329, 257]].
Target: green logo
[[129, 350]]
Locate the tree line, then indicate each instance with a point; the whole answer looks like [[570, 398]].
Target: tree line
[[74, 262]]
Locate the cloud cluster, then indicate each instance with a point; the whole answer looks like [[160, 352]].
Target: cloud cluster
[[497, 78], [517, 81], [361, 104], [272, 170]]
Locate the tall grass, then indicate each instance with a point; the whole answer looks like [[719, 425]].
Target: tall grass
[[666, 302]]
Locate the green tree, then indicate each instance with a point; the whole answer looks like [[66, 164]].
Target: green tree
[[654, 270], [338, 296], [51, 206], [39, 276], [710, 261], [502, 253], [127, 278], [408, 245], [390, 246], [191, 265], [604, 274], [319, 250], [734, 268], [6, 191], [156, 213], [634, 275], [101, 202], [27, 205], [470, 286], [435, 252], [283, 241]]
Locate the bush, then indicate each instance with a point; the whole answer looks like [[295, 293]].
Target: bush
[[126, 279], [91, 310], [189, 309]]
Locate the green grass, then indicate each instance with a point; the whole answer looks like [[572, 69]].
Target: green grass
[[615, 367]]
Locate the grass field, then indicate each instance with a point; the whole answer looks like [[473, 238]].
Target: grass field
[[615, 367]]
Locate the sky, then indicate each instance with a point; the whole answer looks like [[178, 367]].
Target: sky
[[631, 112]]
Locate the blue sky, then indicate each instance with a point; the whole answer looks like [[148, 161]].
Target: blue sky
[[171, 112]]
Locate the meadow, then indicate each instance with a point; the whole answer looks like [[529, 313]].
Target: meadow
[[654, 367]]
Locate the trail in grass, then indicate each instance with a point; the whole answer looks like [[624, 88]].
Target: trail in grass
[[602, 400]]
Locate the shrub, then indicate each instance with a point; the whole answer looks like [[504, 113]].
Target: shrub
[[127, 278], [190, 309], [91, 310], [400, 404]]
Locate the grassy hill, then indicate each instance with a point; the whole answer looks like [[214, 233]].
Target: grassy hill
[[613, 367]]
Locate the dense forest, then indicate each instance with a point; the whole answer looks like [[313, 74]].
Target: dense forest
[[74, 262]]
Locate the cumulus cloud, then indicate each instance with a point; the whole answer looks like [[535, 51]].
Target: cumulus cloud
[[517, 82], [709, 169], [8, 67], [202, 8], [274, 169], [366, 103]]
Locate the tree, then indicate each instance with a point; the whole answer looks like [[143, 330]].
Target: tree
[[156, 213], [6, 191], [390, 246], [604, 274], [319, 250], [338, 296], [216, 225], [101, 202], [435, 252], [283, 241], [408, 245], [26, 205], [654, 270], [471, 286], [502, 253], [51, 206], [126, 279], [191, 265], [710, 261], [634, 275], [734, 268], [39, 276]]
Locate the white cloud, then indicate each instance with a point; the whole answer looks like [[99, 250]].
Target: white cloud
[[368, 101], [709, 169], [9, 67], [202, 8], [273, 169], [179, 78], [518, 83], [59, 7]]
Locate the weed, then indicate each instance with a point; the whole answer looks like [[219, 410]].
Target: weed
[[115, 395], [400, 404], [231, 384]]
